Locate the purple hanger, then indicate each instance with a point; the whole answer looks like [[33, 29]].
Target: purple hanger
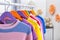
[[7, 18]]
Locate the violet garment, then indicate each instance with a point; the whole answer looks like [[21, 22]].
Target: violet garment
[[7, 18], [43, 23], [21, 14], [33, 32]]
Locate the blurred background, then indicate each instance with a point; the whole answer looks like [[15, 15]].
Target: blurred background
[[43, 8]]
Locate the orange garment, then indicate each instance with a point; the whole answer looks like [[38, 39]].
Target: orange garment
[[16, 15], [33, 12], [27, 12]]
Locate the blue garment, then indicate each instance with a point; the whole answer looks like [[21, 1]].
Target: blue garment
[[20, 27], [43, 23]]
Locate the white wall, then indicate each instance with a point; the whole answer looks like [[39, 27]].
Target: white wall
[[2, 7], [38, 3], [56, 25]]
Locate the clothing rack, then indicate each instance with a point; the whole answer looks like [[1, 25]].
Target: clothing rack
[[17, 4]]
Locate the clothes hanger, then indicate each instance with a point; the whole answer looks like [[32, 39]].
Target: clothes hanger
[[6, 17], [16, 15]]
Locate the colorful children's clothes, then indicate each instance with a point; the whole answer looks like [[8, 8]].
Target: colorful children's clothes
[[33, 32], [36, 28], [17, 31], [32, 16], [16, 15], [42, 22], [21, 14]]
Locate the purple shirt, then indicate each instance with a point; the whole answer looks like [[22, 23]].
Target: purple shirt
[[7, 18], [21, 14], [34, 34]]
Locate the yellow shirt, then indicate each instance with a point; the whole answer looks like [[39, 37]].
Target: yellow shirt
[[36, 28]]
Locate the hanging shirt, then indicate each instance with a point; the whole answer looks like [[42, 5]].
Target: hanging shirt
[[33, 17], [25, 13], [36, 28], [40, 24], [16, 15], [33, 32], [7, 18], [17, 31], [43, 23], [21, 14]]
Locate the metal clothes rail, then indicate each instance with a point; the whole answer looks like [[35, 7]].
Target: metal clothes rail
[[17, 4]]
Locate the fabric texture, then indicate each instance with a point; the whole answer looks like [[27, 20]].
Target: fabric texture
[[25, 13], [1, 22], [33, 32], [33, 12], [32, 16], [21, 14], [7, 18], [39, 23], [18, 31], [36, 28], [16, 15], [43, 23]]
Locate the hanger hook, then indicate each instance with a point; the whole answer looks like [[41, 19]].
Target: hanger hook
[[6, 5]]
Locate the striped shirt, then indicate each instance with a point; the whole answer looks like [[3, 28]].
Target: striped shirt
[[17, 31]]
